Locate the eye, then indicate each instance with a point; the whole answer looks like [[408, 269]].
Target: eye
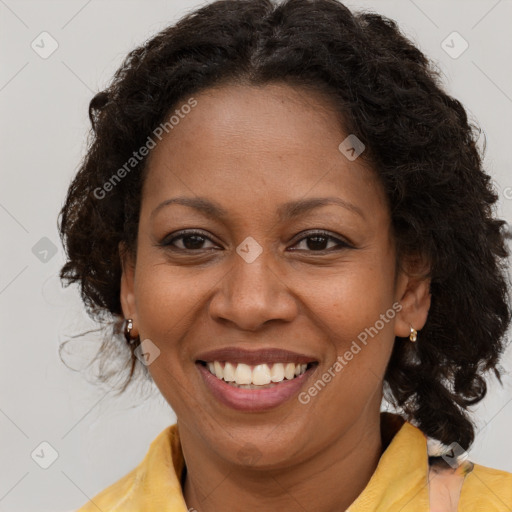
[[191, 240], [316, 241]]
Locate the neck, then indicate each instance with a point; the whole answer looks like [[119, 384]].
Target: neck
[[328, 481]]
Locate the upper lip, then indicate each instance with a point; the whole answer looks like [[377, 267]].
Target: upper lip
[[252, 357]]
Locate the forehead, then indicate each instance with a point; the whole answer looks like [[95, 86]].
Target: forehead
[[257, 145]]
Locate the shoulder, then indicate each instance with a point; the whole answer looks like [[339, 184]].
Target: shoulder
[[153, 483], [477, 488], [486, 489], [113, 496]]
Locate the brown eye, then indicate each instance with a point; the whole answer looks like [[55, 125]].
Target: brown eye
[[190, 240], [318, 241]]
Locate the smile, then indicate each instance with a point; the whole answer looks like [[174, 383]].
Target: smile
[[254, 380], [258, 376]]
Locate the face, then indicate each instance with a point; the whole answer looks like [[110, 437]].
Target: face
[[273, 281]]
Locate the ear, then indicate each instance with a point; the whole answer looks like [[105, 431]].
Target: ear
[[413, 293], [128, 304]]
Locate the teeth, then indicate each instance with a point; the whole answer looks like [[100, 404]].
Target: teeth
[[277, 372], [229, 372], [260, 375], [218, 368], [243, 374], [300, 369], [289, 371]]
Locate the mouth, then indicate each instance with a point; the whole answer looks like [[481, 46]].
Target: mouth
[[260, 376], [254, 380]]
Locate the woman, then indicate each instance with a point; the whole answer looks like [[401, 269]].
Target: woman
[[288, 217]]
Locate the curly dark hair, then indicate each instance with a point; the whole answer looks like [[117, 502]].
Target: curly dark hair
[[418, 141]]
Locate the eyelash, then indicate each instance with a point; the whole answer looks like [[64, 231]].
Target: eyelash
[[183, 234]]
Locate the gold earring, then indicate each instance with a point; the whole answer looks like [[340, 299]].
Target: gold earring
[[414, 334], [128, 329]]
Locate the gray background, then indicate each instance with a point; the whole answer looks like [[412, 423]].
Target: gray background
[[44, 123]]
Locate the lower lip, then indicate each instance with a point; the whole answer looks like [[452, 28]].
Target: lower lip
[[253, 399]]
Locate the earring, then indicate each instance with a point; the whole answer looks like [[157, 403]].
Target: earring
[[128, 323], [414, 334]]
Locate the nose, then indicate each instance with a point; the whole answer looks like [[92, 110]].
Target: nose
[[252, 294]]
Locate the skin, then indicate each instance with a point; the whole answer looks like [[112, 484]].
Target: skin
[[251, 149]]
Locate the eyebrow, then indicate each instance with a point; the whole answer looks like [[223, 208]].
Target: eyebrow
[[286, 211]]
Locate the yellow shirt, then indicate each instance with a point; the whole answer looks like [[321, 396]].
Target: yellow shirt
[[402, 482]]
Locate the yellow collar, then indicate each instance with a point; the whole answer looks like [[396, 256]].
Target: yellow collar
[[399, 483]]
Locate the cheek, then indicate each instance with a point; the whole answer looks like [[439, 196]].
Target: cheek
[[356, 314], [158, 298], [167, 297], [352, 301], [165, 309]]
